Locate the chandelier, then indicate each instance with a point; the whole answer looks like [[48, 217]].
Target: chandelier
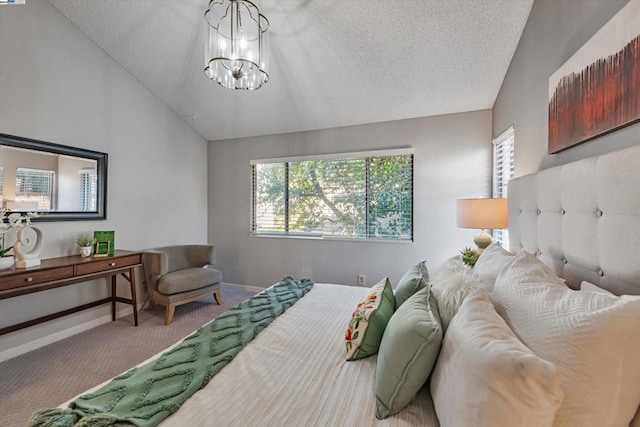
[[237, 45]]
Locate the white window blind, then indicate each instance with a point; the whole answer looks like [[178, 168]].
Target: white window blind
[[88, 190], [1, 184], [356, 195], [503, 170], [35, 186]]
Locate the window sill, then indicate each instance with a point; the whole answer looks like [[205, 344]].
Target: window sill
[[332, 239]]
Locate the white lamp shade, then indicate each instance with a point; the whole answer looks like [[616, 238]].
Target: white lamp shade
[[483, 213]]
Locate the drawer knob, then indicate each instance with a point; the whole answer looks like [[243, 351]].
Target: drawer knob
[[113, 264], [29, 279]]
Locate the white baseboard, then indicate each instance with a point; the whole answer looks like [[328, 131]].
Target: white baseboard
[[244, 287], [66, 333]]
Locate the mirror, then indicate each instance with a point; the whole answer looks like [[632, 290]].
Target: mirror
[[66, 182]]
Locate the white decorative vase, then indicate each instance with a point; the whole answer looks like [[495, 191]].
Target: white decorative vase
[[85, 251], [6, 262]]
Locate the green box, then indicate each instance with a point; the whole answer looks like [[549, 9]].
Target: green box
[[105, 243]]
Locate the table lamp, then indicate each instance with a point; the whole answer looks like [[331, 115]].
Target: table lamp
[[482, 214]]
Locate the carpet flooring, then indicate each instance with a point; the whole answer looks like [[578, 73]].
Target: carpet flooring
[[51, 375]]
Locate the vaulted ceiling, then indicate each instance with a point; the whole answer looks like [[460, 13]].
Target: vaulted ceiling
[[333, 62]]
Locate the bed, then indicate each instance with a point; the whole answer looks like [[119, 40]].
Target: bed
[[581, 219]]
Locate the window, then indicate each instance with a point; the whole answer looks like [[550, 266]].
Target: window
[[88, 190], [35, 186], [1, 183], [503, 170], [356, 195]]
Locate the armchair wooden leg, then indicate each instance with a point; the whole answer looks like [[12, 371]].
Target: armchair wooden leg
[[168, 317], [151, 305], [216, 295]]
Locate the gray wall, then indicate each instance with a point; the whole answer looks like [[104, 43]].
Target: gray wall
[[556, 29], [452, 160], [56, 85]]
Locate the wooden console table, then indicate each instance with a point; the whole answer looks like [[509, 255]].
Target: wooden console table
[[65, 271]]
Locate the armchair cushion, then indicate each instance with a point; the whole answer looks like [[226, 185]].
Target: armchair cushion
[[187, 280]]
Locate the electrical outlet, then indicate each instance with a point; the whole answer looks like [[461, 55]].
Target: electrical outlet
[[362, 280]]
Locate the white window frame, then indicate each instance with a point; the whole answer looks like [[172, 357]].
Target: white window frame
[[503, 171], [329, 157], [46, 202], [88, 190]]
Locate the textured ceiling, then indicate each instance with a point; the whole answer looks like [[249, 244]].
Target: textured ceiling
[[333, 62]]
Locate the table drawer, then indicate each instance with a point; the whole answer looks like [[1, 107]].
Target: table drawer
[[107, 264], [33, 277]]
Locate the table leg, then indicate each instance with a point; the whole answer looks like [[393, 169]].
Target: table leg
[[132, 281], [113, 297]]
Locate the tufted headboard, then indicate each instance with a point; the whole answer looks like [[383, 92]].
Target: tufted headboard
[[583, 219]]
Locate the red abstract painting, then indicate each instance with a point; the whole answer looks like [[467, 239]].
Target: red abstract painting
[[594, 93]]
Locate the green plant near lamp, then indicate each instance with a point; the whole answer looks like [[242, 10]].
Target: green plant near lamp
[[470, 256]]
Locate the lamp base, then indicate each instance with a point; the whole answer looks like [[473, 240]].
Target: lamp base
[[482, 240]]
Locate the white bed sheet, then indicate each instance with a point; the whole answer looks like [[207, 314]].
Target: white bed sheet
[[294, 373]]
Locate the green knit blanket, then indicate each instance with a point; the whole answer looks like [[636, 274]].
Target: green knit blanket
[[146, 395]]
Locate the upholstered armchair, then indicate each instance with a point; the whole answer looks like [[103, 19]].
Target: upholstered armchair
[[177, 275]]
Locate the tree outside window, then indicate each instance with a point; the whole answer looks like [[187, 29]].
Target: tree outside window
[[368, 197]]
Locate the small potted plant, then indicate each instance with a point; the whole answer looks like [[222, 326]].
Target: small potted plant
[[86, 245], [470, 256]]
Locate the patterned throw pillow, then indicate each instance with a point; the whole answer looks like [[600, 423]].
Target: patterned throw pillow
[[369, 321]]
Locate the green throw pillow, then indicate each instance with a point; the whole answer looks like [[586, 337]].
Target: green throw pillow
[[408, 352], [369, 321], [414, 279]]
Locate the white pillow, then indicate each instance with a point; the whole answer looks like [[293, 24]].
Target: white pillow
[[588, 286], [450, 285], [485, 376], [592, 338], [493, 259]]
